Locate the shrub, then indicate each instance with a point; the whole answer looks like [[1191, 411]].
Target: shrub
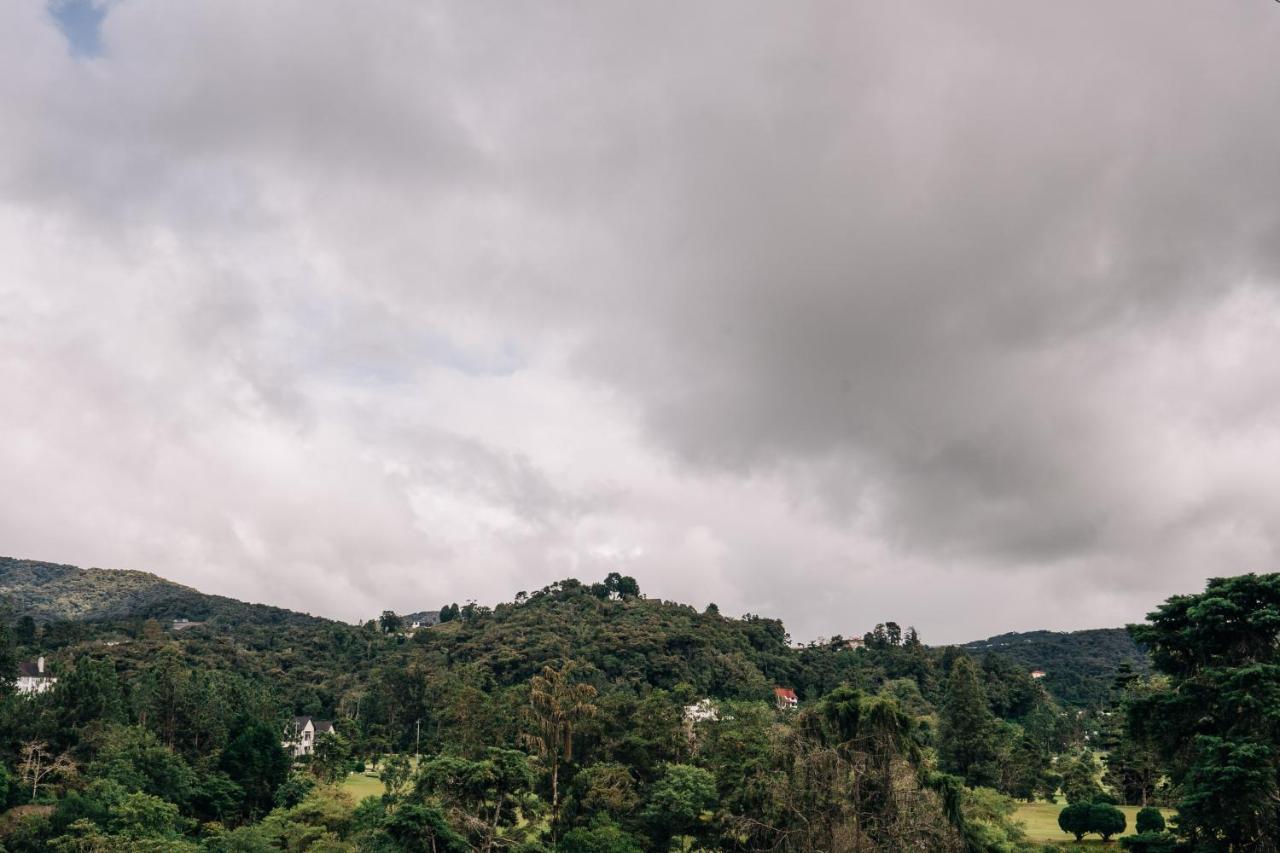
[[1149, 820], [1075, 820], [1106, 820], [1150, 842]]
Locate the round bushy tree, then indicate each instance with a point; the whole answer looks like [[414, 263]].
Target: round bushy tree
[[1149, 820], [1075, 820], [1106, 820]]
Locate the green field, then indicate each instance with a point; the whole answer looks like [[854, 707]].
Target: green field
[[1041, 820], [359, 786]]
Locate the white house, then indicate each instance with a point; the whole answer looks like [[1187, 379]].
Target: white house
[[33, 679], [301, 733], [785, 698], [702, 711]]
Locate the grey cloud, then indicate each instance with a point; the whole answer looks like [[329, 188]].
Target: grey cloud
[[899, 295]]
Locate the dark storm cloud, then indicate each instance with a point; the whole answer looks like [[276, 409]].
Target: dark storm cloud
[[454, 300]]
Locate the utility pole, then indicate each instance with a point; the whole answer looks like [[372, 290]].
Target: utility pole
[[417, 739]]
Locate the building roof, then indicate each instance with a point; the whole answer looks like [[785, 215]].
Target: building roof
[[785, 693], [30, 669], [300, 723]]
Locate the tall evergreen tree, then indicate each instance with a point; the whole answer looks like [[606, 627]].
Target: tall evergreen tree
[[1216, 724], [968, 738]]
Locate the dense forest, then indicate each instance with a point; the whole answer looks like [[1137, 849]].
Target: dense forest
[[588, 717], [1078, 665]]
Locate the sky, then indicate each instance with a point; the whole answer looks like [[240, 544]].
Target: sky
[[964, 315]]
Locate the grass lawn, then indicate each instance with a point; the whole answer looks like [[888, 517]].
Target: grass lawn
[[1041, 821], [360, 786]]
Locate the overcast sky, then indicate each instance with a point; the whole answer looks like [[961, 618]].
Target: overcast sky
[[961, 314]]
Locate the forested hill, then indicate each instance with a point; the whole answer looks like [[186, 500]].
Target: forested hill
[[1078, 665], [49, 592], [627, 638]]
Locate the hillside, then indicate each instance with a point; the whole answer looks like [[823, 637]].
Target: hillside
[[49, 592], [1078, 665], [629, 639]]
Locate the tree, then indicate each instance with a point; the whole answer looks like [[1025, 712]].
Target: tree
[[389, 622], [1214, 725], [968, 731], [603, 836], [678, 801], [89, 693], [395, 776], [24, 631], [557, 705], [1106, 820], [37, 765], [1075, 820], [1080, 778], [1149, 820], [1151, 842], [415, 828], [332, 757], [255, 761], [8, 660], [487, 798]]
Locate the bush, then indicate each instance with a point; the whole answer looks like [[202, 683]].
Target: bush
[[1150, 842], [1080, 819], [1075, 820], [1106, 820], [1149, 820], [604, 836]]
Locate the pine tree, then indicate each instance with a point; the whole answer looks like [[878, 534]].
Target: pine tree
[[968, 733]]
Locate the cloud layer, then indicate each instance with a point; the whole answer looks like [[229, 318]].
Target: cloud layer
[[961, 315]]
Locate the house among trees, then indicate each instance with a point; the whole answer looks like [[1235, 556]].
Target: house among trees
[[301, 734], [786, 698], [33, 679], [704, 710], [1037, 673]]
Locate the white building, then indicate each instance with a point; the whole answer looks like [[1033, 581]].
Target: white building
[[702, 711], [301, 733], [33, 679]]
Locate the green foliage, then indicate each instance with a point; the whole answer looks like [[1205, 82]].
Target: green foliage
[[255, 761], [1215, 723], [415, 828], [1150, 842], [1079, 666], [1080, 777], [1149, 820], [554, 722], [1082, 818], [679, 802], [968, 731], [1106, 820], [135, 759], [1075, 819], [331, 760], [603, 836]]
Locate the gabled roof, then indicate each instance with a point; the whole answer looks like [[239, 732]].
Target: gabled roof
[[300, 723], [30, 669], [785, 693]]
